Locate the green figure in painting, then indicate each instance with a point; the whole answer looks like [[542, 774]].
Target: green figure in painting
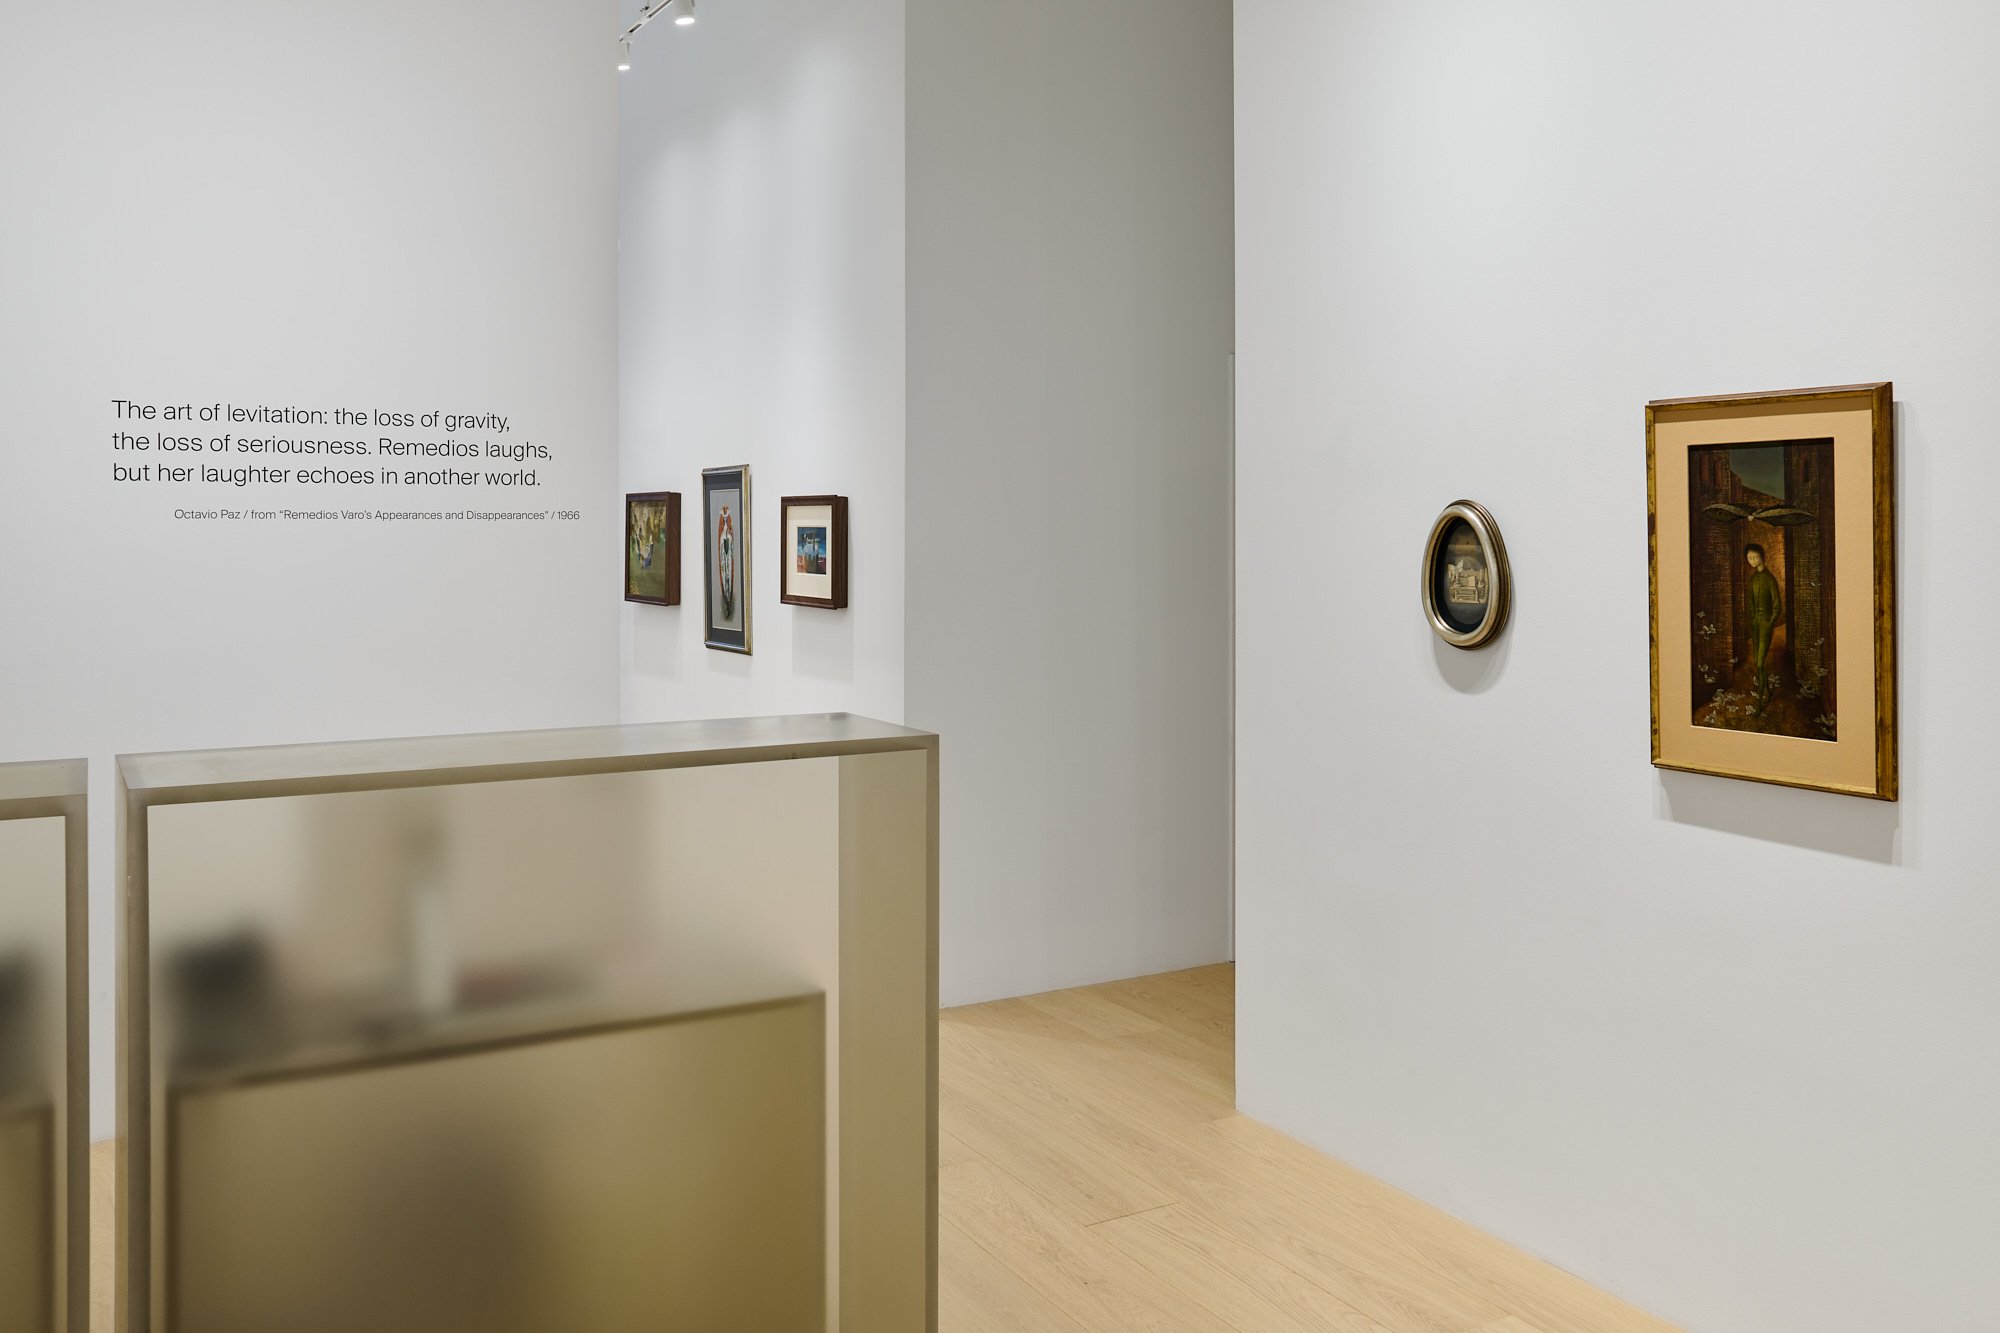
[[1766, 604]]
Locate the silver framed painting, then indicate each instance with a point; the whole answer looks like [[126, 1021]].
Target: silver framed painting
[[725, 504]]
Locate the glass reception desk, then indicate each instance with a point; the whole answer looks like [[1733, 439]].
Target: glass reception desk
[[619, 1029], [44, 1050]]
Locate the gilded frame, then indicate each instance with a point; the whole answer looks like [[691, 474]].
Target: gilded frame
[[1500, 575], [1870, 768]]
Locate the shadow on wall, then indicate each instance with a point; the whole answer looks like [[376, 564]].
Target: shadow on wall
[[1471, 671], [822, 643], [656, 645], [727, 664], [1842, 825]]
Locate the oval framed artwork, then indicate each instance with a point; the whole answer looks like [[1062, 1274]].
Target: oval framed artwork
[[1466, 583]]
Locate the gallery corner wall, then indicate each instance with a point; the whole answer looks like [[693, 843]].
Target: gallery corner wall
[[761, 322], [365, 205], [1070, 327], [1726, 1049], [1012, 225]]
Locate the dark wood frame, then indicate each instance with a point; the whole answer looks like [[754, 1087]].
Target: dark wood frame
[[672, 499], [725, 641], [1880, 399], [836, 550]]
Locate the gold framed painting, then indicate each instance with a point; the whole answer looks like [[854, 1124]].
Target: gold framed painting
[[1773, 539]]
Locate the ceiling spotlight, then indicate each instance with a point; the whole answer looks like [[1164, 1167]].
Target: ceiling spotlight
[[624, 56], [683, 12]]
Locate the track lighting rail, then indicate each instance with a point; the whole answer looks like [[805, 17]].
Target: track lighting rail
[[681, 11]]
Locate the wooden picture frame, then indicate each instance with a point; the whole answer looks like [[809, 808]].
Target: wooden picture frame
[[653, 548], [812, 551], [726, 547], [1771, 532]]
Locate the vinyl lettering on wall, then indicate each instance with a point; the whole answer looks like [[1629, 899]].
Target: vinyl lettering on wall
[[202, 454]]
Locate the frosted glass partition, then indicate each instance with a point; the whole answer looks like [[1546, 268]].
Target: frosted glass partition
[[44, 1051], [626, 1028]]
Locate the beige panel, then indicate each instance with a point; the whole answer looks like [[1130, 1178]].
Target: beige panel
[[396, 906], [888, 1113], [306, 928], [295, 909], [28, 1177], [133, 1194], [663, 1179], [34, 1074]]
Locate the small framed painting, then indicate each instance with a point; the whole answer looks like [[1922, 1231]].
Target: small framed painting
[[653, 548], [814, 530], [725, 502], [1773, 547], [1466, 582]]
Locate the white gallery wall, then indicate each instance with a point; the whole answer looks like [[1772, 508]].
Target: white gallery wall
[[761, 322], [1070, 318], [1724, 1048], [371, 203], [1014, 226]]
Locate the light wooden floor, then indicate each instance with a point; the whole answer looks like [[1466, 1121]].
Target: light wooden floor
[[1096, 1179]]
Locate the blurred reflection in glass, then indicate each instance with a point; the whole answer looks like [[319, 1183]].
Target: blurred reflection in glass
[[508, 1056], [32, 893]]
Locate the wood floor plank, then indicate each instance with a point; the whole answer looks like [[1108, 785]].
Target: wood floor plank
[[953, 1150], [1075, 1109], [1366, 1264], [1547, 1298], [1168, 1160], [1088, 1279], [1197, 1063], [1170, 1002], [1096, 1014], [1354, 1263], [1149, 1078], [1043, 1133], [1025, 1020], [1217, 981], [979, 1294], [1206, 1262]]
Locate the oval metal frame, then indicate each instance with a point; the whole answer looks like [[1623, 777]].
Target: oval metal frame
[[1502, 598]]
